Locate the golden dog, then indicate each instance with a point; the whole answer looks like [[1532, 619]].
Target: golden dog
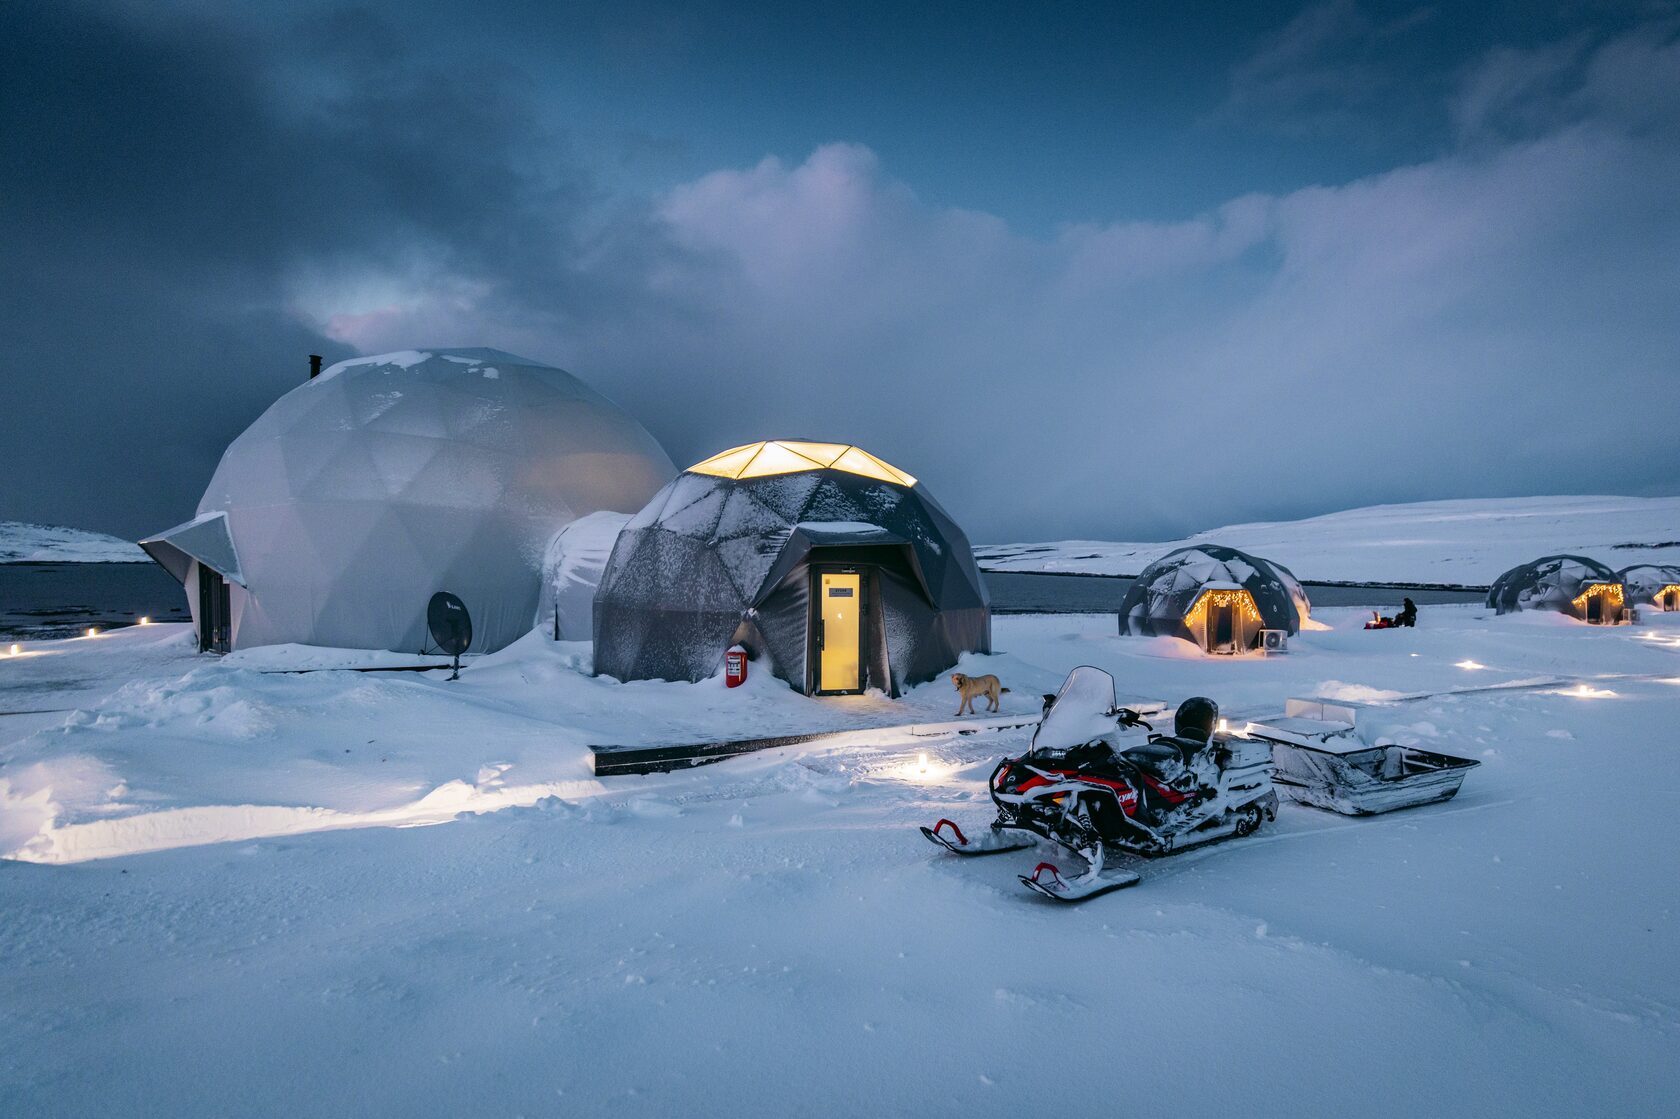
[[972, 688]]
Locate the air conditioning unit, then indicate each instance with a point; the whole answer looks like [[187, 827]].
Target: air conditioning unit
[[1274, 641]]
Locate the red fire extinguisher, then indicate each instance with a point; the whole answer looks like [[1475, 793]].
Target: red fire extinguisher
[[735, 667]]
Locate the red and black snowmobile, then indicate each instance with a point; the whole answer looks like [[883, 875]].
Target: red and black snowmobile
[[1092, 785]]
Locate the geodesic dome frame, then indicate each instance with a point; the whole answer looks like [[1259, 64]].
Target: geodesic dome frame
[[363, 491], [1560, 583], [1166, 596], [723, 557]]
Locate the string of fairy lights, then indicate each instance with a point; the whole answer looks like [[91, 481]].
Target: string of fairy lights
[[1241, 600]]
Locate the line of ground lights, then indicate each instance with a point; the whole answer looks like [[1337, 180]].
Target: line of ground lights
[[17, 650]]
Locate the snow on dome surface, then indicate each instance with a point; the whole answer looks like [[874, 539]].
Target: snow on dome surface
[[784, 456], [363, 491], [1171, 588]]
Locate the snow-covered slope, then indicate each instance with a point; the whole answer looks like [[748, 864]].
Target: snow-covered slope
[[1466, 542], [21, 542]]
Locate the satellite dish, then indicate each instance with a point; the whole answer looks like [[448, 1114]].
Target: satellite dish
[[451, 626]]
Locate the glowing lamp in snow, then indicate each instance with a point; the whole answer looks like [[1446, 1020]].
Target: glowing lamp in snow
[[92, 632], [16, 649], [145, 619], [735, 667]]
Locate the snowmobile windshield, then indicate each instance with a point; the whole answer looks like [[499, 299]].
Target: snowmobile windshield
[[1083, 710]]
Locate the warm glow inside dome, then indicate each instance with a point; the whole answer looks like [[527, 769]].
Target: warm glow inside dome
[[776, 456]]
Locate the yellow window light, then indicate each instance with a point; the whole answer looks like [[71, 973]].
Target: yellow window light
[[774, 456], [1241, 599]]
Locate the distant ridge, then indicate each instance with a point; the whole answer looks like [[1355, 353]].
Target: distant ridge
[[1433, 543], [21, 542]]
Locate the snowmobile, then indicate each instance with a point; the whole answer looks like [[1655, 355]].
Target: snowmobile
[[1089, 785]]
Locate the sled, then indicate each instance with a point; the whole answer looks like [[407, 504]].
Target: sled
[[1323, 762]]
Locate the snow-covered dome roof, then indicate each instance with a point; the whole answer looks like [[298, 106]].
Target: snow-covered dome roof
[[1168, 590], [1549, 583], [362, 491], [715, 544]]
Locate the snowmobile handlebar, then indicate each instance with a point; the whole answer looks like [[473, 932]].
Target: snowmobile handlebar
[[1130, 718]]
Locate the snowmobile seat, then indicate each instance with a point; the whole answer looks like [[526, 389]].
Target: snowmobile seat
[[1164, 756]]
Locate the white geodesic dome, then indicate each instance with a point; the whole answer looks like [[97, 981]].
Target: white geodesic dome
[[363, 491]]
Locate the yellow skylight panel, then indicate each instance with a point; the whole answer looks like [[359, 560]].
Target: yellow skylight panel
[[727, 464], [775, 456], [822, 453], [858, 461]]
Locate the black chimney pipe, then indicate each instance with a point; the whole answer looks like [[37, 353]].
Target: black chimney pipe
[[314, 366]]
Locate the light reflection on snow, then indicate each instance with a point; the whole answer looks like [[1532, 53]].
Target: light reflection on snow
[[1469, 664]]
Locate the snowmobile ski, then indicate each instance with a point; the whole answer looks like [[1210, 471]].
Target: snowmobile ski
[[994, 841], [1047, 879]]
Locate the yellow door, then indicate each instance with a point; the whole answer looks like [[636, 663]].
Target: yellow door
[[840, 663]]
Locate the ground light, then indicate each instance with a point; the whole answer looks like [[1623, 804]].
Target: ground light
[[93, 631], [145, 619], [919, 769], [16, 649], [1587, 691], [1469, 664]]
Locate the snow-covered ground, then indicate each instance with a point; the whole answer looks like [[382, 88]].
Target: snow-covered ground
[[21, 542], [770, 935], [1462, 543]]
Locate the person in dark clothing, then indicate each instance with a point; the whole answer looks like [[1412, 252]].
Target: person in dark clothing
[[1408, 614]]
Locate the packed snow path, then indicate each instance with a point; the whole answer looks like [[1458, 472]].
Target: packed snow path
[[771, 935]]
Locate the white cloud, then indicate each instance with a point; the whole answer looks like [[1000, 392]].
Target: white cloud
[[1497, 320]]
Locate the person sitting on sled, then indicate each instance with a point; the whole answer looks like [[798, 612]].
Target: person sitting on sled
[[1407, 616]]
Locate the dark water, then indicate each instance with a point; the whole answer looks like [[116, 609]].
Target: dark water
[[46, 600], [1017, 593]]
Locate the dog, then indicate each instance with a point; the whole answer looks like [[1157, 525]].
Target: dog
[[972, 688]]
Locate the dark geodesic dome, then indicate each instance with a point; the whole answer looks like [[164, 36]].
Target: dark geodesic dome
[[1644, 581], [1161, 599], [714, 560], [1549, 583]]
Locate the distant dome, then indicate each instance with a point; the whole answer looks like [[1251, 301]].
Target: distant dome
[[1646, 581], [361, 492], [1562, 583], [1173, 595]]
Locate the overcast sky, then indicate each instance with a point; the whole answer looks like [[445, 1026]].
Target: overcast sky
[[1113, 271]]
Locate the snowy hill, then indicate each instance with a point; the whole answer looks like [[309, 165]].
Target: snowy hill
[[1466, 542], [21, 542]]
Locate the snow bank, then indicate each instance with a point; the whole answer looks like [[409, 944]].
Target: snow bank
[[1466, 542], [29, 543]]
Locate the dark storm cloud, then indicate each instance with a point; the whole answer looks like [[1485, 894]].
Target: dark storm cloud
[[165, 178], [191, 206]]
